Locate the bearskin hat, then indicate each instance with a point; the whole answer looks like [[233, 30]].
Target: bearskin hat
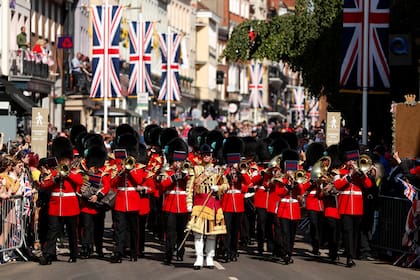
[[214, 139], [196, 137], [151, 134], [142, 154], [274, 135], [278, 146], [75, 131], [334, 153], [250, 147], [177, 149], [263, 154], [288, 154], [166, 135], [92, 139], [96, 156], [128, 142], [124, 129], [233, 145], [347, 144], [292, 139], [314, 152], [79, 145], [61, 148]]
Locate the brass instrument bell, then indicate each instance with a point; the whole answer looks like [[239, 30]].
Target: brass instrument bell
[[364, 163], [129, 163], [63, 169], [300, 176], [320, 167]]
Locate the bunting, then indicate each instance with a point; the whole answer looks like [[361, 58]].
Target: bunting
[[256, 85], [141, 35], [170, 52], [106, 22]]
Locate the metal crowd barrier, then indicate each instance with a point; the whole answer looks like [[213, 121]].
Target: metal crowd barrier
[[12, 228], [392, 216]]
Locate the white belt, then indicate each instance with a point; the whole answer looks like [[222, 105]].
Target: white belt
[[289, 200], [144, 188], [62, 194], [261, 188], [312, 192], [233, 191], [352, 192], [176, 192], [126, 189]]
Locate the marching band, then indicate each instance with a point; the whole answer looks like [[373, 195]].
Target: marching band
[[201, 186]]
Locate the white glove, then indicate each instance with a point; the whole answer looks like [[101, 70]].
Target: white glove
[[189, 208], [215, 188]]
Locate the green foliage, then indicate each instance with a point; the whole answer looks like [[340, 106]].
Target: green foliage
[[309, 39]]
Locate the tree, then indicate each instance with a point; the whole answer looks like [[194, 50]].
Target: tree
[[308, 39]]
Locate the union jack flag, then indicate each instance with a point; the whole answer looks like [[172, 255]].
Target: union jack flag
[[314, 110], [141, 34], [409, 190], [256, 87], [172, 51], [353, 28], [299, 106], [105, 52]]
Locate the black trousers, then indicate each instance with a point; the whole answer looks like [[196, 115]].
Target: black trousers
[[287, 236], [351, 232], [126, 222], [142, 233], [233, 223], [175, 224], [273, 233], [263, 228], [55, 228], [332, 235], [92, 230], [315, 219], [248, 221]]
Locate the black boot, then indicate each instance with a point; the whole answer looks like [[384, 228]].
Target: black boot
[[350, 262], [84, 253], [116, 258], [45, 260]]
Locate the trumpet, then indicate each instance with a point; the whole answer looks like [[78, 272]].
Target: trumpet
[[185, 166], [244, 166], [300, 176], [63, 170], [364, 163], [129, 163]]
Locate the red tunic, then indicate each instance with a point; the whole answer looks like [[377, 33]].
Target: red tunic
[[174, 193], [313, 197], [350, 200], [105, 183], [194, 158], [261, 185], [154, 165], [63, 201], [233, 198], [125, 184], [289, 206]]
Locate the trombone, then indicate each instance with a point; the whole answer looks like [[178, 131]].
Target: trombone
[[128, 164]]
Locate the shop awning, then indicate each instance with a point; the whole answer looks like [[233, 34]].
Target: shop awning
[[115, 113], [17, 97]]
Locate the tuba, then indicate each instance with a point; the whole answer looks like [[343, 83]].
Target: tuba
[[320, 168]]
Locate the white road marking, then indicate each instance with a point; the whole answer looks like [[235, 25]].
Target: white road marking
[[218, 265]]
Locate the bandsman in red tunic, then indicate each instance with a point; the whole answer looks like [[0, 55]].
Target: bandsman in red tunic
[[96, 185], [173, 185], [233, 198], [350, 181], [290, 194], [127, 201], [62, 182]]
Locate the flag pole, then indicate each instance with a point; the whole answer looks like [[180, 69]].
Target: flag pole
[[168, 78], [106, 70], [140, 61], [365, 69]]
